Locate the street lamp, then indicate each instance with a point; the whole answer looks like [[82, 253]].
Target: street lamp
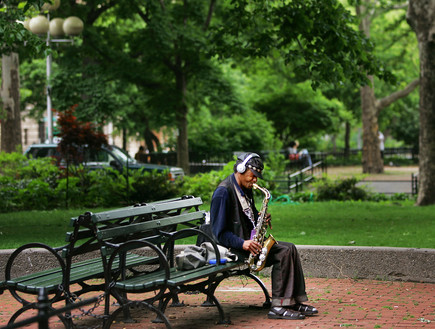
[[57, 27]]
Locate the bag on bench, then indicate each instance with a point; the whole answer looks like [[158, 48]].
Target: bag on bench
[[194, 256], [190, 258], [224, 252]]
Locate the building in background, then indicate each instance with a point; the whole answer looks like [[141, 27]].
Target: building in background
[[34, 132]]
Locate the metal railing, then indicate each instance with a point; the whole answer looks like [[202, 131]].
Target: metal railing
[[414, 183], [295, 181], [298, 179]]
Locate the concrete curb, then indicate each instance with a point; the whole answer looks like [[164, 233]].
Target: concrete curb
[[393, 264], [383, 263]]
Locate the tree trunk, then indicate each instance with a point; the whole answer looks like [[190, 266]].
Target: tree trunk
[[151, 140], [421, 17], [371, 154], [372, 162], [10, 95], [182, 140], [347, 140]]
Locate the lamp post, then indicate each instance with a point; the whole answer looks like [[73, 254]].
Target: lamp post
[[57, 27]]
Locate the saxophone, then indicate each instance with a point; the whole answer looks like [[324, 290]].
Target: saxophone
[[256, 263]]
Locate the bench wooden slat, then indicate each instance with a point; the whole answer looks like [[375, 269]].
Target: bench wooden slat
[[156, 279], [146, 209], [149, 225], [81, 271]]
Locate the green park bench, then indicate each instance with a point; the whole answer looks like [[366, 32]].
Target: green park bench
[[135, 254]]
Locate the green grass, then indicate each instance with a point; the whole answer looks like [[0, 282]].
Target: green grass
[[48, 227], [355, 224], [320, 223]]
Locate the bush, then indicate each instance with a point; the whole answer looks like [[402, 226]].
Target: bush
[[27, 184], [303, 196], [341, 190], [107, 188], [37, 194], [401, 197], [69, 192], [377, 197], [204, 184], [38, 184], [152, 186], [8, 194]]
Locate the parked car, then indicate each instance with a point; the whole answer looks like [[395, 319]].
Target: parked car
[[107, 156]]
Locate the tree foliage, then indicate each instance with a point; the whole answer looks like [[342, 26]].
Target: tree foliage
[[248, 130], [403, 123], [300, 112], [14, 37], [319, 36], [164, 53], [76, 135]]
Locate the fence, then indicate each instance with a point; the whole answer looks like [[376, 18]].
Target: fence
[[295, 181], [390, 155], [205, 162], [414, 183], [45, 312]]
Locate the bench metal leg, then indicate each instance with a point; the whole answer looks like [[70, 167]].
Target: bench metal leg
[[163, 304], [215, 302], [176, 301], [209, 302], [117, 312], [126, 311], [208, 288], [121, 298], [267, 303]]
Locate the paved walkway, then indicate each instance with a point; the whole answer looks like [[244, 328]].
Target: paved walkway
[[388, 187], [341, 303], [393, 180]]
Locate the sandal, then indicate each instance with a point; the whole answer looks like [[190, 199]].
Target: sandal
[[304, 309], [284, 313]]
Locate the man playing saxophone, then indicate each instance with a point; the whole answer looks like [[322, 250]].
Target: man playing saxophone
[[234, 219]]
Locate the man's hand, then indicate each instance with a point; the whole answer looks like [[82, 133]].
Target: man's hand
[[268, 220], [252, 246]]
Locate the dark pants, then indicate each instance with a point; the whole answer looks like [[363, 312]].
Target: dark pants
[[288, 282]]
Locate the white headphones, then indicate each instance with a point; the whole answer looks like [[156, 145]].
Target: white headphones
[[241, 167]]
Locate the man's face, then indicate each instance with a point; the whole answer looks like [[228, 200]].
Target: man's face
[[247, 179]]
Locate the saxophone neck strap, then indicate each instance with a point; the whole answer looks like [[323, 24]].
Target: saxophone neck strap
[[245, 203]]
